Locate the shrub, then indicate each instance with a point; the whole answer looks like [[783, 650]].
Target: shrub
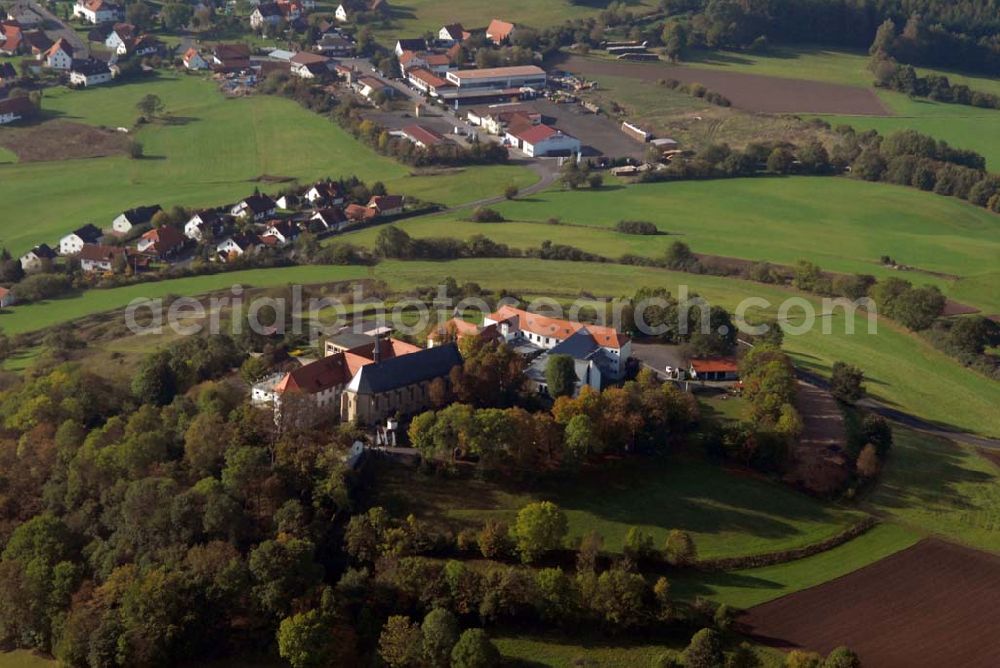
[[636, 227], [487, 215]]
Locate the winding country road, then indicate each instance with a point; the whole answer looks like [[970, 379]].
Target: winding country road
[[909, 420]]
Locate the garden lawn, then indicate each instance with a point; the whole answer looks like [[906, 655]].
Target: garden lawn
[[210, 154], [841, 224], [726, 514], [937, 486], [753, 586]]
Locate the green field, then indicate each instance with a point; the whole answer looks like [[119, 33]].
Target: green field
[[963, 126], [892, 359], [841, 224], [934, 485], [210, 155], [20, 658], [413, 18], [727, 514], [754, 586]]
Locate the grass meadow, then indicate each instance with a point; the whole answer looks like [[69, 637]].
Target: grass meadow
[[726, 514], [212, 153], [841, 224], [753, 586], [962, 126], [936, 486]]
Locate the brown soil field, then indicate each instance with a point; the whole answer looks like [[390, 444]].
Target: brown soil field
[[751, 92], [929, 605], [62, 140]]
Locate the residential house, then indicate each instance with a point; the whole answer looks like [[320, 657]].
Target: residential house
[[119, 35], [144, 45], [415, 44], [266, 13], [163, 242], [231, 57], [15, 109], [97, 11], [307, 65], [7, 297], [329, 219], [369, 87], [325, 193], [436, 63], [453, 34], [98, 258], [75, 241], [205, 224], [541, 140], [714, 369], [517, 325], [237, 245], [141, 215], [11, 39], [386, 205], [283, 232], [257, 207], [193, 60], [89, 72], [38, 258], [349, 9], [499, 32], [60, 55], [336, 45], [288, 201], [359, 214], [423, 136], [396, 386]]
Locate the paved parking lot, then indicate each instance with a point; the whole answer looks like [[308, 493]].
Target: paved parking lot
[[600, 135]]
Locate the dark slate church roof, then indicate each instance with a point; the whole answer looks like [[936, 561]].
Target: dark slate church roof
[[406, 370]]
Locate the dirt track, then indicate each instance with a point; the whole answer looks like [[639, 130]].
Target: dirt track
[[751, 92], [930, 605]]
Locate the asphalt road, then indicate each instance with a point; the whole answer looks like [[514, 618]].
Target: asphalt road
[[80, 49]]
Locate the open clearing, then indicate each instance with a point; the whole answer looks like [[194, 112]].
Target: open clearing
[[208, 155], [726, 514], [930, 605], [751, 92], [62, 140]]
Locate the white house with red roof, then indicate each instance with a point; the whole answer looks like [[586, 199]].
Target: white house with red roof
[[714, 369], [193, 60], [97, 11], [517, 325], [162, 242], [422, 136], [60, 55], [540, 140], [499, 32]]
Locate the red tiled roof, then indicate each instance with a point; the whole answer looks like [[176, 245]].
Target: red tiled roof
[[715, 365], [99, 253], [533, 134], [427, 77], [560, 329], [318, 376], [387, 349], [357, 212], [165, 238], [385, 202], [422, 134], [499, 30]]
